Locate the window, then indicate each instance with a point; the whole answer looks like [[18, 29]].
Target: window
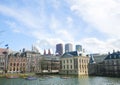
[[71, 60], [10, 64], [64, 66], [17, 64], [64, 61], [75, 63], [67, 61], [13, 69], [71, 66], [23, 64], [67, 66], [17, 69]]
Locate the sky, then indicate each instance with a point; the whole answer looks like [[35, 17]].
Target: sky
[[94, 24]]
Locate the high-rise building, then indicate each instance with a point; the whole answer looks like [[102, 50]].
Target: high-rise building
[[79, 48], [68, 47], [59, 49]]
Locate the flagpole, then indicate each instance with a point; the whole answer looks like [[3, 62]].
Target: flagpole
[[6, 58]]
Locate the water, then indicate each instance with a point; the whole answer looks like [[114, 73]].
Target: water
[[57, 80]]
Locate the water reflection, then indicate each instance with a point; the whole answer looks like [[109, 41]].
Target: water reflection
[[58, 80]]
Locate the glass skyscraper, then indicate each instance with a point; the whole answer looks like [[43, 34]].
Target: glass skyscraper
[[79, 48], [68, 47], [59, 49]]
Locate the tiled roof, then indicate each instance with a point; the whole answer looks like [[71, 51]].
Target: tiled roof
[[115, 55]]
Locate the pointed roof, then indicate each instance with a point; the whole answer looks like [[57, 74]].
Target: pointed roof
[[91, 59], [49, 52], [44, 52]]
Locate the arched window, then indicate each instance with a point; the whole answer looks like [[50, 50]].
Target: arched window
[[17, 69], [17, 64], [10, 64], [23, 64], [14, 69]]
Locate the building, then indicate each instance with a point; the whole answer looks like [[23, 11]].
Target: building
[[33, 61], [2, 60], [59, 49], [112, 64], [50, 63], [16, 63], [68, 47], [74, 63], [92, 66], [96, 64], [78, 48]]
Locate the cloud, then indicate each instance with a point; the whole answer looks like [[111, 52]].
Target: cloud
[[94, 45], [104, 15], [50, 26]]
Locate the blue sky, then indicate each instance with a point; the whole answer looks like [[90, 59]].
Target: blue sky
[[44, 23]]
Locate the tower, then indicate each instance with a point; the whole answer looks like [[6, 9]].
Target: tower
[[79, 48], [44, 52], [59, 49], [49, 52], [68, 47]]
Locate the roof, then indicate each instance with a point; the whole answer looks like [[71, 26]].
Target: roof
[[70, 54], [2, 50], [114, 55], [91, 59]]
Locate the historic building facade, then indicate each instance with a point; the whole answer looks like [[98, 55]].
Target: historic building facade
[[112, 64], [50, 63], [16, 63], [109, 66], [74, 63], [2, 60], [33, 61]]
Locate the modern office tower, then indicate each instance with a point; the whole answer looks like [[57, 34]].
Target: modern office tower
[[68, 47], [79, 48], [59, 49]]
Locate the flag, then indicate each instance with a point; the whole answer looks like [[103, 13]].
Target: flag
[[6, 45]]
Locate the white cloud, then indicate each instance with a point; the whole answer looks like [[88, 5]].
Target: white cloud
[[94, 45], [69, 20], [23, 16], [104, 15], [49, 29], [56, 4]]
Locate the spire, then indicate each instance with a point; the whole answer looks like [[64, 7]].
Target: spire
[[91, 59], [49, 53], [44, 52]]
